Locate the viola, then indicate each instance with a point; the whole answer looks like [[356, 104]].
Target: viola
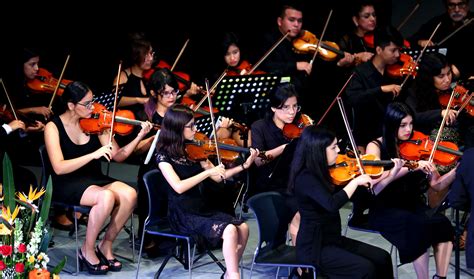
[[346, 167], [101, 120], [244, 68], [307, 43], [294, 130], [44, 82], [462, 99], [202, 147], [419, 147], [405, 66]]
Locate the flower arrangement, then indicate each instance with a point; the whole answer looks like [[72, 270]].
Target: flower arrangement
[[24, 237]]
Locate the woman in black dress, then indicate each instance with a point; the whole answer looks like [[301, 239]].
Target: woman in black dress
[[188, 211], [78, 178], [399, 211], [319, 239]]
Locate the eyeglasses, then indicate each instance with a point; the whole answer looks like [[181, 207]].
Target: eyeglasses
[[460, 5], [286, 108], [190, 126], [169, 93], [87, 105]]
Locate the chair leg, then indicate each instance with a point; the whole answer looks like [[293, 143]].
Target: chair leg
[[251, 266], [77, 244], [190, 258], [133, 238], [140, 253], [278, 272], [395, 271]]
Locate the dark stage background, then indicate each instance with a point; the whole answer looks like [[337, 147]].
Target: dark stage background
[[96, 37]]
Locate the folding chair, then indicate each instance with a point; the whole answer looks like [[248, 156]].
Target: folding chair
[[272, 249]]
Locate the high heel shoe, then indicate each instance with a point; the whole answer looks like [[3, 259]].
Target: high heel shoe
[[110, 263], [94, 269]]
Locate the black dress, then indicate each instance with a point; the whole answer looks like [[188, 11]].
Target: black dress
[[319, 238], [69, 187], [189, 212], [401, 215]]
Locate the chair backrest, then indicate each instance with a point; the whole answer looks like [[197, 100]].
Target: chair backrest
[[157, 194], [272, 219], [46, 169]]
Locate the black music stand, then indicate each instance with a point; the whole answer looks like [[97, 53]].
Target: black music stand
[[416, 52], [203, 125], [244, 98], [107, 98]]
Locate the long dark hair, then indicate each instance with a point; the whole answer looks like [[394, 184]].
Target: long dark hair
[[430, 66], [171, 139], [394, 114], [310, 154]]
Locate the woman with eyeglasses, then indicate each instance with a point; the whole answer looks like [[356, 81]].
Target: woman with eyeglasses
[[267, 134], [78, 178], [188, 211]]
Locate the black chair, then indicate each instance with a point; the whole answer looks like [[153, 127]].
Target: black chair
[[45, 173], [271, 214], [156, 223]]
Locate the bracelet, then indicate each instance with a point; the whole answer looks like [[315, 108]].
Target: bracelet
[[242, 165]]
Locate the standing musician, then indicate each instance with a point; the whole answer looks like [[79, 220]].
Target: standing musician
[[74, 155], [319, 239], [188, 211], [459, 52], [267, 134], [399, 211], [370, 90]]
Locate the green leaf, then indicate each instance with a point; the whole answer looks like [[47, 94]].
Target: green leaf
[[8, 183], [60, 266], [43, 247], [46, 203]]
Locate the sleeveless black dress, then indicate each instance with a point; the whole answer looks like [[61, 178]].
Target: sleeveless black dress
[[189, 212], [401, 215], [68, 188]]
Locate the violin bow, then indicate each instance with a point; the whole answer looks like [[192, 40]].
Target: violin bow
[[114, 111], [212, 88], [421, 53], [405, 20], [9, 100], [179, 55], [466, 23], [334, 101], [321, 38], [268, 53], [59, 82], [441, 127], [152, 147], [351, 138]]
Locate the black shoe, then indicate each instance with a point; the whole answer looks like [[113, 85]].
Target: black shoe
[[110, 263], [94, 269], [55, 224]]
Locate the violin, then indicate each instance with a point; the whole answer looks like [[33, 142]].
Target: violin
[[346, 167], [44, 82], [405, 66], [244, 68], [419, 147], [101, 120], [202, 147], [183, 79], [307, 42], [294, 130], [369, 40], [461, 99], [6, 114]]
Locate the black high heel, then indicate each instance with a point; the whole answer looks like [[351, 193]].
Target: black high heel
[[94, 269], [110, 263]]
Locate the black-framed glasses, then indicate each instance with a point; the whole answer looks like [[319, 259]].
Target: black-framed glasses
[[87, 105], [460, 5], [169, 93], [286, 108], [190, 126]]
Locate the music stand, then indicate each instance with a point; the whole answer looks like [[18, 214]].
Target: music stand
[[203, 125], [416, 52], [244, 98], [107, 98]]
